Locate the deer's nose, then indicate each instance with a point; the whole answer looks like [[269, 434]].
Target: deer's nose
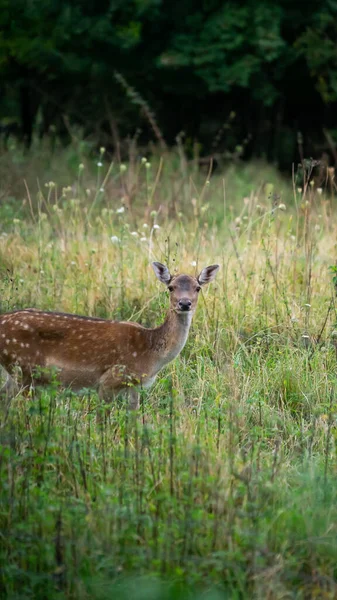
[[185, 304]]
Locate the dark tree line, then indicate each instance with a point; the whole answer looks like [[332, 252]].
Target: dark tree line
[[238, 76]]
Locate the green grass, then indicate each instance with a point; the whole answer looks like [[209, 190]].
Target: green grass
[[223, 485]]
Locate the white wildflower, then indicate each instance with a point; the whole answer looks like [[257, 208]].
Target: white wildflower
[[81, 167], [282, 207], [120, 210], [100, 164], [145, 226], [101, 189], [134, 233], [155, 226], [114, 239], [319, 190], [143, 239], [122, 168], [193, 263]]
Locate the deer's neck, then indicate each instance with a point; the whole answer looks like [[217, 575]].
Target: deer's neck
[[170, 338]]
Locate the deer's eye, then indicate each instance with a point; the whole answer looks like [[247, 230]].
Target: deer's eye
[[170, 288], [198, 289]]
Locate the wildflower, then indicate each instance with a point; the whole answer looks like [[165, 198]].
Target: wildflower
[[16, 221], [147, 165], [155, 226], [143, 239], [102, 150], [134, 233], [282, 207], [120, 210], [153, 213], [81, 167], [317, 227], [101, 189], [73, 263], [88, 192], [145, 226], [208, 182], [193, 263], [114, 239], [319, 190], [100, 164], [144, 160], [299, 190], [122, 168]]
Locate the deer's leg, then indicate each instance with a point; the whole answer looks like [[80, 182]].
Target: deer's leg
[[9, 389], [111, 386], [133, 396]]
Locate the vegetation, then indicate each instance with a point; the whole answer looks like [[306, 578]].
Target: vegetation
[[224, 484], [244, 76]]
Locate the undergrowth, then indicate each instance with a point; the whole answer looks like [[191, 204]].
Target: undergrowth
[[223, 485]]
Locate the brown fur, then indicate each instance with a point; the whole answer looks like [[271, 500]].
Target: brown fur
[[89, 352]]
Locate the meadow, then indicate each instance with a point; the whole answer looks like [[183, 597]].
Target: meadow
[[223, 484]]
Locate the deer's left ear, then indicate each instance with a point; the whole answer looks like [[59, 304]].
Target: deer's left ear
[[162, 272], [208, 274]]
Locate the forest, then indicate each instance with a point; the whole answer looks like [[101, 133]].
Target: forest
[[250, 78]]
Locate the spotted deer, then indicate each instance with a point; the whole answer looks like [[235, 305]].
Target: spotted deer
[[89, 352]]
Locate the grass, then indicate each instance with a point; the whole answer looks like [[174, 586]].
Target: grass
[[224, 484]]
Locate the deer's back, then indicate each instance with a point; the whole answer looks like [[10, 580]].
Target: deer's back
[[82, 348]]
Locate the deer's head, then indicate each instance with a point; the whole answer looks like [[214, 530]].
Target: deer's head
[[184, 289]]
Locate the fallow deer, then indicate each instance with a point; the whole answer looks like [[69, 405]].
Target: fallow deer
[[89, 352]]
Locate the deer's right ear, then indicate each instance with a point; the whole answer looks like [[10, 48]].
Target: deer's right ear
[[162, 272]]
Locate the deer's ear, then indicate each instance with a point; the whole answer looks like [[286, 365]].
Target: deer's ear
[[162, 272], [208, 274]]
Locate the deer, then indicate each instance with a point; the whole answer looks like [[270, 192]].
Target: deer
[[90, 352]]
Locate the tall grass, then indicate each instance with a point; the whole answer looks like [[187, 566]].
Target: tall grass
[[224, 483]]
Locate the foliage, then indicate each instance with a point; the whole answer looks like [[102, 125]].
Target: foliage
[[192, 62]]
